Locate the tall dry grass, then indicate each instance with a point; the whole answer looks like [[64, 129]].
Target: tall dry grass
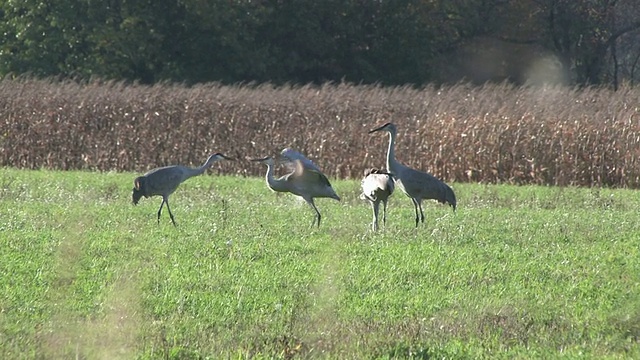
[[491, 134]]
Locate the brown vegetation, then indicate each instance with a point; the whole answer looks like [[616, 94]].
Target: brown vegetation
[[489, 134]]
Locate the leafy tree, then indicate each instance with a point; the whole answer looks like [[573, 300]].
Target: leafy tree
[[129, 37], [388, 42], [572, 34], [216, 41], [41, 37], [583, 32], [355, 40]]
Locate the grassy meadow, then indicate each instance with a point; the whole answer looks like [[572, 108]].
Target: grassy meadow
[[516, 272]]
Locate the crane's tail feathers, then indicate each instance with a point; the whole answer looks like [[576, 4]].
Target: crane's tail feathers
[[332, 194], [370, 171], [139, 189], [368, 197], [450, 197], [137, 194]]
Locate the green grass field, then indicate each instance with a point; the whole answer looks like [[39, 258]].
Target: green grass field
[[516, 272]]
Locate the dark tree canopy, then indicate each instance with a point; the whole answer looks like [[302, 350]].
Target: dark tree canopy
[[387, 42]]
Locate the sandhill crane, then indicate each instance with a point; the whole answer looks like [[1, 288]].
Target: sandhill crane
[[416, 184], [302, 181], [377, 185], [165, 180]]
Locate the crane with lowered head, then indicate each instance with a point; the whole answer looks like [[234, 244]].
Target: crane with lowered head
[[165, 180]]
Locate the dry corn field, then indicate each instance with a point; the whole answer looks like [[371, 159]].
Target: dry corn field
[[489, 134]]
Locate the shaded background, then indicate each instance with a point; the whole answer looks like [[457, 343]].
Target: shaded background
[[585, 42]]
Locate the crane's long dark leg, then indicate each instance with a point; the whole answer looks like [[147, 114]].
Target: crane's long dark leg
[[318, 216], [384, 216], [376, 208], [170, 214], [421, 212], [415, 205], [160, 210]]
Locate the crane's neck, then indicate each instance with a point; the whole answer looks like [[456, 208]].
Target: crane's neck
[[391, 154], [273, 183], [191, 172]]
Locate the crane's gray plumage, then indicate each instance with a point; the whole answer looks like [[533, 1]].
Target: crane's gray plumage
[[304, 181], [416, 184], [291, 156], [377, 185], [165, 180]]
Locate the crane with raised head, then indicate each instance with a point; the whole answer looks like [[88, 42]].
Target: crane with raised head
[[377, 185], [416, 184], [165, 180], [306, 182]]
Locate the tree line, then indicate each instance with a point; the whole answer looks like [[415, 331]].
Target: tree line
[[583, 42]]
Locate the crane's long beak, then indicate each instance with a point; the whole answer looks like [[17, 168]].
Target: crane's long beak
[[377, 129], [226, 157], [260, 159]]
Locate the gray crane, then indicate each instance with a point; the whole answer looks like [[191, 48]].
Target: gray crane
[[164, 181], [377, 185], [303, 181], [416, 184]]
